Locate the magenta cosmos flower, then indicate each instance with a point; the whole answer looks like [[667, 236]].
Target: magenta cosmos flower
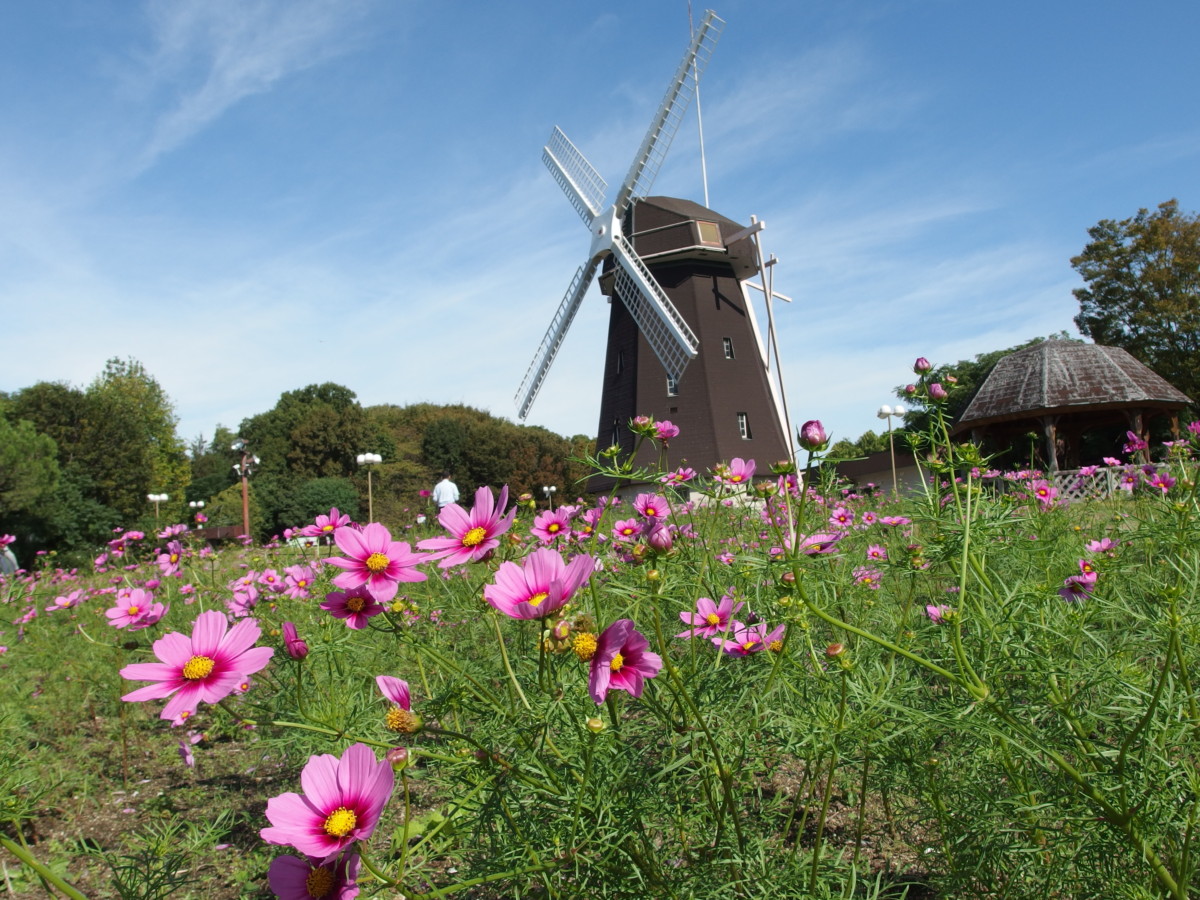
[[622, 661], [552, 524], [326, 526], [134, 609], [207, 667], [739, 471], [651, 506], [473, 534], [311, 879], [342, 802], [542, 585], [374, 561], [355, 606], [710, 618], [749, 639], [400, 718]]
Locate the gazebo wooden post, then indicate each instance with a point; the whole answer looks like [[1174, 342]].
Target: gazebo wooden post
[[1050, 448], [1137, 423]]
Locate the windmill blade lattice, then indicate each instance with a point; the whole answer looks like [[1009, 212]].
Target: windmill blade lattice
[[669, 336], [575, 175], [555, 334], [657, 142]]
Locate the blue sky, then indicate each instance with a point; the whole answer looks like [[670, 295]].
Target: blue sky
[[250, 196]]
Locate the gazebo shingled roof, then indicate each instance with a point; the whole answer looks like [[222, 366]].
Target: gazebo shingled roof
[[1068, 389], [1060, 377]]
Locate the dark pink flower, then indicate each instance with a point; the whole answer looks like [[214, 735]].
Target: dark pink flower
[[355, 606], [651, 506], [291, 878], [473, 535], [937, 392], [812, 436], [342, 802], [1077, 587], [552, 524], [665, 431], [400, 718], [295, 645], [135, 609], [542, 585], [922, 365], [627, 529], [206, 667], [374, 561], [622, 661], [739, 471]]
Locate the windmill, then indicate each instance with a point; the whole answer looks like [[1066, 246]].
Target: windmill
[[677, 269]]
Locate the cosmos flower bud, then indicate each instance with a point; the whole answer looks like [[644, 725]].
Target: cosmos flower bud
[[910, 390], [835, 650], [595, 724], [643, 425], [937, 392], [295, 645], [397, 757], [922, 365], [812, 436]]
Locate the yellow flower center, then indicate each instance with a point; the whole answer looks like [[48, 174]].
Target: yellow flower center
[[536, 599], [355, 604], [775, 646], [553, 527], [174, 557], [584, 645], [618, 662], [377, 562], [749, 645], [474, 537], [319, 882], [400, 720], [327, 528], [340, 822], [712, 619], [198, 667], [651, 512]]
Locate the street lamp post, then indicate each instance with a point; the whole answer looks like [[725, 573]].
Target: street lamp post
[[368, 460], [157, 499], [243, 469], [886, 412], [548, 491]]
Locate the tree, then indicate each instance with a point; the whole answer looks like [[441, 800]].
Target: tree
[[1143, 291], [28, 467]]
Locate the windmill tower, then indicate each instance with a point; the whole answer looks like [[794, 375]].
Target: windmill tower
[[679, 272]]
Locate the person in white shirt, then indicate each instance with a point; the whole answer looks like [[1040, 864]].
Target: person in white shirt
[[445, 492]]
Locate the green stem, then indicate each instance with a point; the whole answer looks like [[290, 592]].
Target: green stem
[[507, 666], [42, 872]]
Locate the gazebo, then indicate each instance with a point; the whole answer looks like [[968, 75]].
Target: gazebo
[[1062, 390]]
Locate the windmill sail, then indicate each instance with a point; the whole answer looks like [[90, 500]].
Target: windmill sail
[[575, 175], [542, 360]]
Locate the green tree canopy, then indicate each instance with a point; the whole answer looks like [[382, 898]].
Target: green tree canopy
[[1143, 291], [28, 467]]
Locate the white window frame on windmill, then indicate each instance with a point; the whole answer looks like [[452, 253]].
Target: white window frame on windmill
[[672, 386], [709, 234], [743, 421], [727, 343]]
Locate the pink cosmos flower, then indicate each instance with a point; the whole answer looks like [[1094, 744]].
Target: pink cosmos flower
[[867, 577], [206, 667], [896, 521], [710, 618], [272, 580], [400, 718], [937, 613], [622, 661], [1162, 481], [297, 580], [876, 552], [651, 506], [739, 471], [817, 544], [552, 524], [326, 526], [542, 585], [135, 609], [841, 518], [1104, 545], [665, 431], [355, 605], [374, 561], [1134, 443], [291, 878], [473, 535], [70, 601], [1046, 493], [168, 561], [749, 639], [627, 529], [682, 475], [1077, 587], [6, 539], [342, 802]]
